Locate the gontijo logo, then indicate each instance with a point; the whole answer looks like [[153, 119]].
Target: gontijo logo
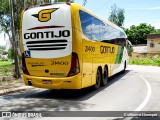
[[44, 15]]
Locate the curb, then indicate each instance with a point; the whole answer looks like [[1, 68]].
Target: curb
[[13, 90]]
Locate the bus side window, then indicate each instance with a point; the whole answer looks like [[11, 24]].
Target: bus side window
[[105, 33], [95, 27], [86, 24]]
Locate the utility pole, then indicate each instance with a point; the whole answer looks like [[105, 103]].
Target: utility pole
[[16, 71]]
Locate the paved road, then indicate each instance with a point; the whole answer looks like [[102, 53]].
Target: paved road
[[136, 89]]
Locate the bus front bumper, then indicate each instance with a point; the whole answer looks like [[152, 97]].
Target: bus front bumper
[[73, 82]]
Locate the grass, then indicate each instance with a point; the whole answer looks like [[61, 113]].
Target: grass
[[11, 82], [6, 68], [6, 72], [147, 61], [3, 63]]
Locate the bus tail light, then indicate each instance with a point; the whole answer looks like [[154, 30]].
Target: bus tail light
[[24, 67], [75, 68], [68, 3]]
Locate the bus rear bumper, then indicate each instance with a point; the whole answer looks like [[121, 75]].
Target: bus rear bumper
[[73, 82]]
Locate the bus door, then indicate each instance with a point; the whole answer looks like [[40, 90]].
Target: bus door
[[87, 72]]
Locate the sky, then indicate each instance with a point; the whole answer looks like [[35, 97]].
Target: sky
[[136, 11], [3, 42]]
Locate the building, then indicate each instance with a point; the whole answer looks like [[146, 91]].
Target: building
[[152, 49], [153, 43], [139, 52]]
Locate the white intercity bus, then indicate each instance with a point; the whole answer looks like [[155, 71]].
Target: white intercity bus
[[65, 46]]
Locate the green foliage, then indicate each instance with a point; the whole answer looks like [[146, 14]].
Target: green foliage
[[5, 23], [147, 61], [84, 2], [3, 56], [47, 1], [129, 47], [64, 1], [11, 54], [3, 63], [158, 31], [117, 15], [5, 17], [130, 50], [4, 53], [138, 34], [2, 47], [157, 61], [6, 68]]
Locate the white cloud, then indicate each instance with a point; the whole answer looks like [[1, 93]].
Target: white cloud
[[94, 28], [2, 41], [101, 32], [127, 25], [156, 25], [154, 8], [150, 8]]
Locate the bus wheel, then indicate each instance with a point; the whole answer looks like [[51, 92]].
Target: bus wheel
[[105, 77], [98, 79], [124, 67]]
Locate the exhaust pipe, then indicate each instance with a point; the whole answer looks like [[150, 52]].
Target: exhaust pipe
[[30, 82]]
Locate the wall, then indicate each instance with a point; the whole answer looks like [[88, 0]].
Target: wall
[[155, 39], [136, 55]]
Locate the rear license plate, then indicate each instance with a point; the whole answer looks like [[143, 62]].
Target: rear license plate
[[47, 82]]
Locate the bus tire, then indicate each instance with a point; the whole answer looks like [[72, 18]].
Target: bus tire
[[98, 79], [105, 77], [124, 67]]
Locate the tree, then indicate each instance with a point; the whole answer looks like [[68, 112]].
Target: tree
[[2, 47], [138, 34], [72, 1], [117, 15], [158, 31], [64, 1], [5, 24], [84, 2], [5, 20], [11, 54]]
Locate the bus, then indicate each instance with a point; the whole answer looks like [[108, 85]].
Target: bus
[[65, 46]]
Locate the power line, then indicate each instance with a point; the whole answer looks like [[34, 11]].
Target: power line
[[102, 6]]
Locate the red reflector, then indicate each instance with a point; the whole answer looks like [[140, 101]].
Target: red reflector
[[68, 3], [25, 9], [45, 4], [47, 82], [24, 67]]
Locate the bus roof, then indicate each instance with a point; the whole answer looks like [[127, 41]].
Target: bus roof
[[91, 13], [79, 7]]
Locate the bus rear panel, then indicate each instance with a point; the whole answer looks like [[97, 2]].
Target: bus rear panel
[[48, 60]]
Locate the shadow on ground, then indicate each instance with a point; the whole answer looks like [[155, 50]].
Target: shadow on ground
[[77, 95], [54, 100]]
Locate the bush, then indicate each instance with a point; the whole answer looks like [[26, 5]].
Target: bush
[[6, 68], [157, 61], [11, 54], [147, 61]]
